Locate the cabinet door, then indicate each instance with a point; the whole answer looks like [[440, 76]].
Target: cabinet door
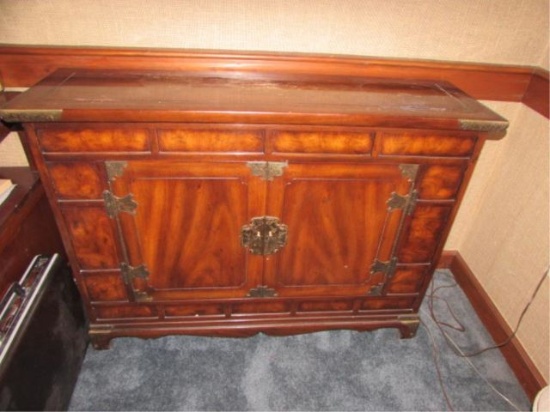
[[340, 221], [182, 233]]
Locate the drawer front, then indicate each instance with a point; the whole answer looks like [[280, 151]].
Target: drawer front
[[94, 140], [210, 140], [316, 142], [412, 144]]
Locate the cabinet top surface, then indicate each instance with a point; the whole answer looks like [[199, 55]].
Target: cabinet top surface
[[239, 97]]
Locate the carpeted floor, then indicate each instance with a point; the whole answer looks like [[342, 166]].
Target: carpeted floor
[[339, 370]]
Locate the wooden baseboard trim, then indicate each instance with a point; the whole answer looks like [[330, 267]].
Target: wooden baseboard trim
[[519, 361]]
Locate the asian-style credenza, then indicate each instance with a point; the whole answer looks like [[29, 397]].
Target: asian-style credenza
[[231, 203]]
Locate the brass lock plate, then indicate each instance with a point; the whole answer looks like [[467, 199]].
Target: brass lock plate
[[264, 235]]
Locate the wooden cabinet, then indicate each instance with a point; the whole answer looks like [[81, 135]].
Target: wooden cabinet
[[231, 205]]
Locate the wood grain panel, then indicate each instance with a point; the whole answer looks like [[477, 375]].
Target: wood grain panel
[[105, 286], [94, 140], [439, 182], [194, 310], [92, 237], [407, 280], [209, 140], [202, 206], [425, 145], [336, 216], [125, 312], [73, 180], [423, 233], [23, 66], [335, 142]]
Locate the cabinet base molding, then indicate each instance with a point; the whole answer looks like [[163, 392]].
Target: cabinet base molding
[[519, 361], [406, 325]]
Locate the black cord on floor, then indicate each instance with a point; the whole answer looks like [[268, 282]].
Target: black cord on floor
[[431, 297], [458, 326]]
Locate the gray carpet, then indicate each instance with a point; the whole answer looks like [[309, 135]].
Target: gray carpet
[[339, 370]]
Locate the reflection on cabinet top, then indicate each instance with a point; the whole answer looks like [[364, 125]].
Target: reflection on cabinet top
[[239, 97]]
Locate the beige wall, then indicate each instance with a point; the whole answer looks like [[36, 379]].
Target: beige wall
[[502, 230]]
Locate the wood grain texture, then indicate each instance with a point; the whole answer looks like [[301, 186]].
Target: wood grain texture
[[25, 65], [259, 98]]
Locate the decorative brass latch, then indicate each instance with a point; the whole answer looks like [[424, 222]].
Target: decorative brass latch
[[264, 235], [267, 170]]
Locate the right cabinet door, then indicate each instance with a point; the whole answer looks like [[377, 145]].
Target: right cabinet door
[[344, 220]]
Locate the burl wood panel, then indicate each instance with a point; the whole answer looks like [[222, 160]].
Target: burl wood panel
[[105, 286], [325, 142], [416, 144], [92, 236], [94, 140], [76, 180], [422, 235], [438, 182], [184, 139], [407, 280]]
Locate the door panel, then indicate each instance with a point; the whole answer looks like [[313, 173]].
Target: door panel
[[186, 227], [338, 224]]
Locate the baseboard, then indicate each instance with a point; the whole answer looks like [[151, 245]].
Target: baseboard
[[525, 370]]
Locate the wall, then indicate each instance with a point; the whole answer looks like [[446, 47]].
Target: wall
[[502, 230]]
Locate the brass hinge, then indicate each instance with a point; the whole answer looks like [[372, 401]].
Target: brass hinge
[[406, 202], [115, 169], [409, 171], [267, 170], [264, 235], [129, 273], [387, 268], [261, 292], [115, 204]]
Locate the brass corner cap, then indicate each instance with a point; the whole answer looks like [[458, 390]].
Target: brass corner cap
[[483, 125], [30, 115]]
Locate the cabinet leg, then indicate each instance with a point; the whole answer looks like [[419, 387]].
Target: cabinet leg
[[409, 326], [100, 342]]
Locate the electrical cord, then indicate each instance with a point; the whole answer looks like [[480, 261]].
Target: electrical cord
[[461, 327], [458, 326]]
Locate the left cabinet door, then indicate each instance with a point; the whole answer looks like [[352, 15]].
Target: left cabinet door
[[180, 228]]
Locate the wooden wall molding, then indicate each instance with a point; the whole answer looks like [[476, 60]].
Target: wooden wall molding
[[22, 66], [519, 361]]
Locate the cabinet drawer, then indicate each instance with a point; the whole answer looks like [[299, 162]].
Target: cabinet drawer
[[94, 140], [412, 144], [329, 142], [209, 140], [125, 312]]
